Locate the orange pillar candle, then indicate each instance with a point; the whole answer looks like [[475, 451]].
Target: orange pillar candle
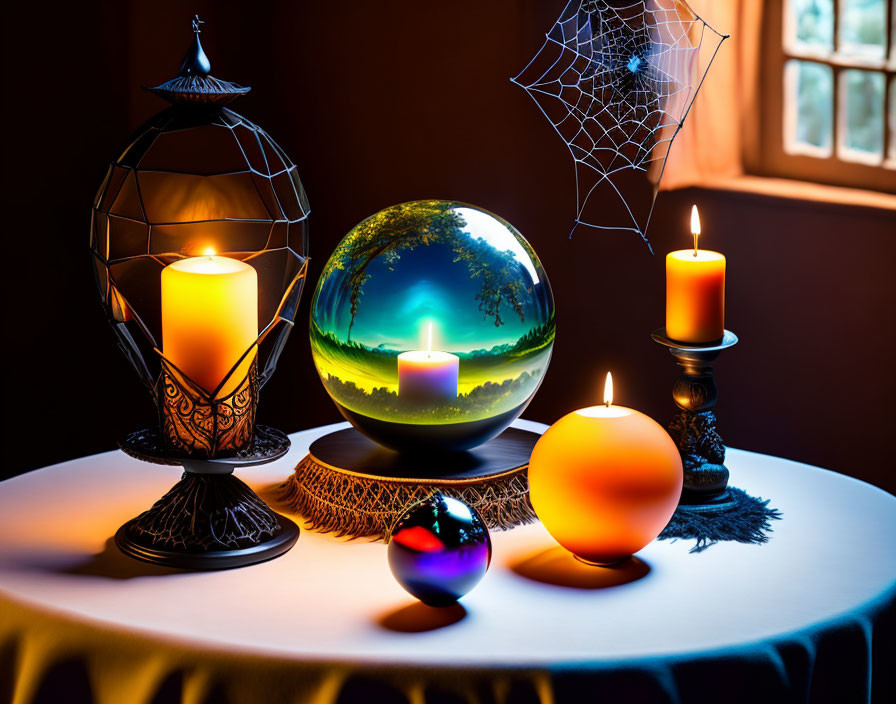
[[209, 319], [605, 481], [695, 292]]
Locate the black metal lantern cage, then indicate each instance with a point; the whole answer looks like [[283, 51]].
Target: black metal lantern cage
[[158, 204], [198, 176]]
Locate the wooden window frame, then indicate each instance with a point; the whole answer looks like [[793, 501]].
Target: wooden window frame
[[773, 159]]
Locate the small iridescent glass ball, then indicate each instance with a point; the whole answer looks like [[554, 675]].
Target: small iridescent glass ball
[[439, 550]]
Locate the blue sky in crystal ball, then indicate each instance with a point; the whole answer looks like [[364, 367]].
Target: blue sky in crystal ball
[[426, 285]]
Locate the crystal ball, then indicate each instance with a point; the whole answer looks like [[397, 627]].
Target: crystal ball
[[439, 550], [432, 326]]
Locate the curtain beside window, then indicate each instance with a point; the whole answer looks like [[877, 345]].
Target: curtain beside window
[[721, 132]]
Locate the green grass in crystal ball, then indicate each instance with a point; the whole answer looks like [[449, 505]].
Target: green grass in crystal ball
[[463, 270]]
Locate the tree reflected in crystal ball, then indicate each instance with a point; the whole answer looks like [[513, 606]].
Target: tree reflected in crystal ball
[[439, 550], [432, 326]]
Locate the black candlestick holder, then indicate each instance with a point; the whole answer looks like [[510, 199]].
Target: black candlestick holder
[[209, 520], [693, 428]]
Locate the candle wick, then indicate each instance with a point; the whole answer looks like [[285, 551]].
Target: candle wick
[[607, 403]]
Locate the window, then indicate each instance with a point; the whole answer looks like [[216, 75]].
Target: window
[[829, 92]]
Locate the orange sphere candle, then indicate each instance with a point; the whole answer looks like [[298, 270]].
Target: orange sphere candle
[[605, 481], [695, 292]]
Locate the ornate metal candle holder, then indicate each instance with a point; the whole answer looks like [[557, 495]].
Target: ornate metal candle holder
[[209, 519], [694, 427], [199, 426], [199, 177]]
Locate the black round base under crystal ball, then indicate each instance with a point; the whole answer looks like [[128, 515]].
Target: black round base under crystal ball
[[209, 520]]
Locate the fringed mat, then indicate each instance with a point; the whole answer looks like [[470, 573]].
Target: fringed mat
[[350, 486], [358, 506], [743, 519]]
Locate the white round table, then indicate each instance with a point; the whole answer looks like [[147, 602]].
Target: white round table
[[805, 616]]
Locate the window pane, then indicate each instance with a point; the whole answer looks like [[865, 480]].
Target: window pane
[[863, 28], [862, 114], [810, 25], [808, 101]]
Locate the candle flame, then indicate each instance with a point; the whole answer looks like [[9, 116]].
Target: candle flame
[[608, 390], [209, 251], [429, 340], [695, 226]]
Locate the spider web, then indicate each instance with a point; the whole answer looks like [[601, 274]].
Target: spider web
[[616, 80]]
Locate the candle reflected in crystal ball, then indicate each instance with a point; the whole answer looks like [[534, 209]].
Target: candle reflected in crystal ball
[[439, 550]]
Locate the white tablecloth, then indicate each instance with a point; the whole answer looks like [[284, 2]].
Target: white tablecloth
[[802, 616]]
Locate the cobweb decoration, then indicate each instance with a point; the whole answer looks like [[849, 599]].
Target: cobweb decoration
[[616, 80]]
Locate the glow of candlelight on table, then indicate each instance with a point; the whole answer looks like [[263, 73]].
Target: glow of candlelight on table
[[695, 292], [428, 375]]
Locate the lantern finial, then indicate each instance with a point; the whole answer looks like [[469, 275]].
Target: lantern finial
[[193, 84], [196, 62]]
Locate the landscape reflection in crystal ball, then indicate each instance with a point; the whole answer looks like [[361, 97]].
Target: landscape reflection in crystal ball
[[432, 326]]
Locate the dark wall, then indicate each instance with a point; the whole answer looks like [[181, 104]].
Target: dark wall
[[384, 102]]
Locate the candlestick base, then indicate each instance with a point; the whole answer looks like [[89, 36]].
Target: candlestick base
[[731, 516], [209, 520], [709, 510], [353, 487], [693, 428]]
